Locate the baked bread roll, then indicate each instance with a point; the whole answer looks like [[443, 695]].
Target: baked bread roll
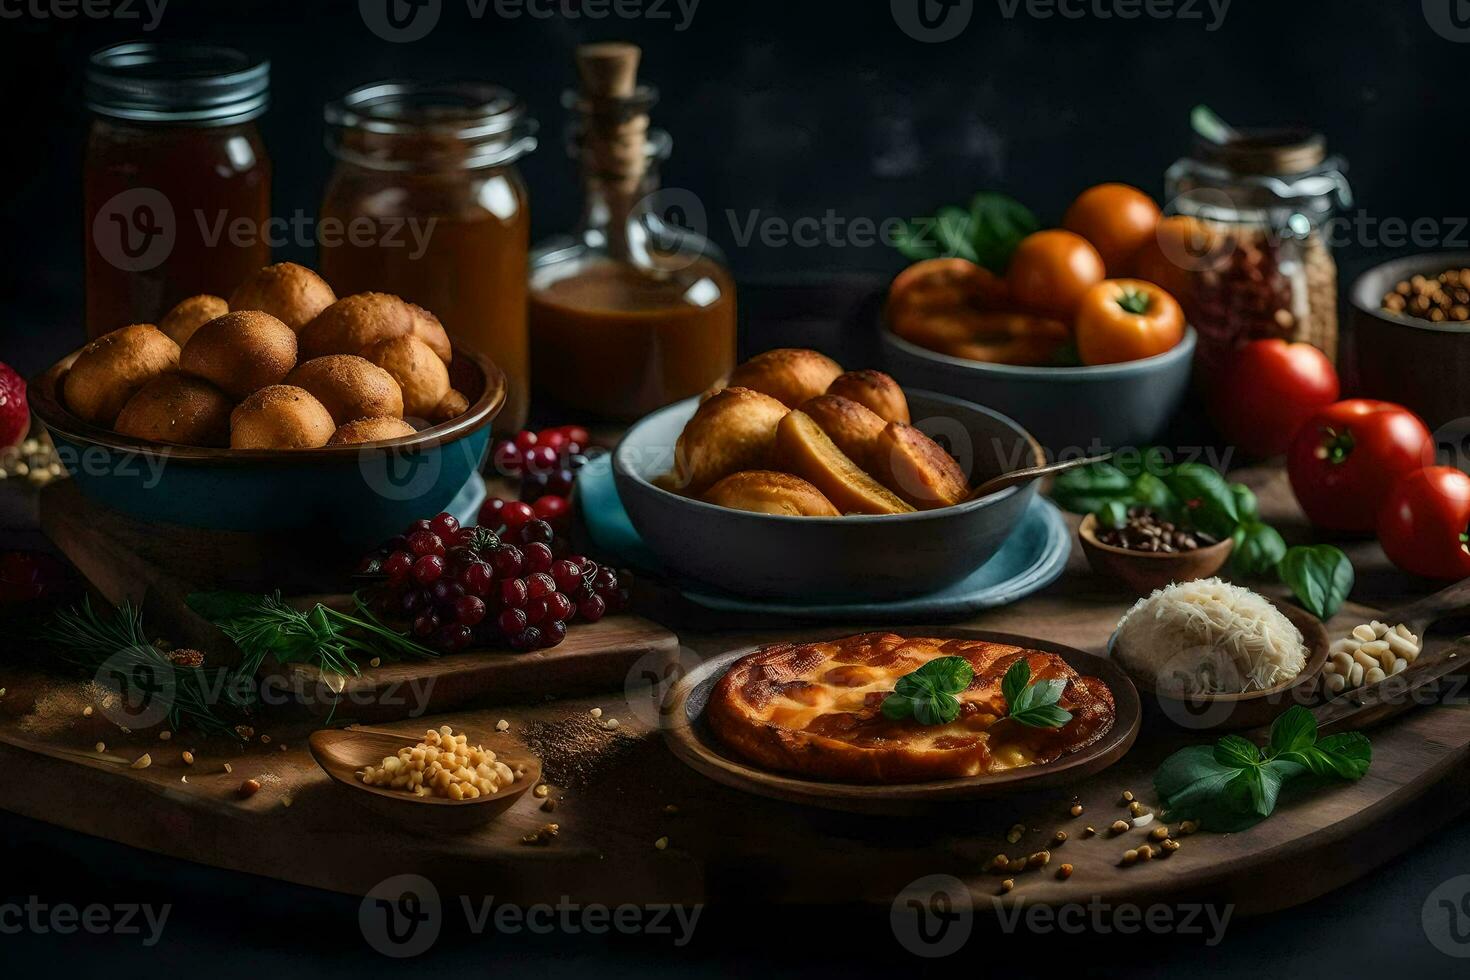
[[191, 314], [111, 369], [734, 429], [788, 374], [350, 387], [803, 448], [875, 391], [240, 352], [289, 292], [280, 417], [180, 409], [426, 327], [420, 374], [370, 430], [917, 468], [354, 323], [770, 492], [853, 427]]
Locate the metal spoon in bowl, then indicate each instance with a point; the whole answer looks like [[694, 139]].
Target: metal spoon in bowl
[[1029, 473]]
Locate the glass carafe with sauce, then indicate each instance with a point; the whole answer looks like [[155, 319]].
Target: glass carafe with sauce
[[430, 206], [630, 312], [176, 181]]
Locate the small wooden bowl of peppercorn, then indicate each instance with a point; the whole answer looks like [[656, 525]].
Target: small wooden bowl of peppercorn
[[1149, 553]]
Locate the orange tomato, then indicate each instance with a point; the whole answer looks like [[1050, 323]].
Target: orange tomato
[[1125, 320], [1117, 219], [1050, 271], [1180, 247]]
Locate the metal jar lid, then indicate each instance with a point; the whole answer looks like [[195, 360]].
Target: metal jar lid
[[161, 82], [406, 125]]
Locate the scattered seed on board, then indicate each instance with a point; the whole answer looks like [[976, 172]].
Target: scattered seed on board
[[1039, 859], [265, 740], [1127, 796], [87, 711], [1089, 831], [1129, 857], [1159, 833], [1008, 884], [1059, 838], [249, 788], [548, 805], [611, 723], [670, 808], [1016, 864], [1014, 834], [1187, 827], [375, 662], [1169, 847], [285, 801], [662, 843], [595, 712], [1145, 852], [1000, 862], [1136, 808], [143, 761], [502, 725], [1076, 810], [541, 790], [165, 735], [1120, 826], [100, 747], [1064, 872], [229, 768], [188, 758]]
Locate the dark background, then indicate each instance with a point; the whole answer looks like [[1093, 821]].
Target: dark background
[[790, 109], [786, 110]]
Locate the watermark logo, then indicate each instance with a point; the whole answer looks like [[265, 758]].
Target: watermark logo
[[144, 686], [1446, 917], [677, 226], [401, 917], [150, 12], [651, 682], [406, 474], [932, 21], [1102, 918], [135, 230], [401, 21], [1450, 19], [933, 916]]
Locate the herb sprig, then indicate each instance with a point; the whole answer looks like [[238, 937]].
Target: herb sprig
[[1235, 784], [1033, 705], [928, 694]]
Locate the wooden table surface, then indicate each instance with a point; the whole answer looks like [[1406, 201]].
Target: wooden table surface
[[723, 845]]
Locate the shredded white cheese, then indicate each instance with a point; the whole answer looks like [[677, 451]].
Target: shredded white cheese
[[1209, 637]]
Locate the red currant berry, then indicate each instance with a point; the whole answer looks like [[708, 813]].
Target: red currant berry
[[554, 439], [397, 566], [422, 524], [478, 578], [512, 621], [552, 509], [453, 638], [509, 562], [559, 606], [592, 608], [514, 593], [410, 602], [527, 639], [425, 543], [516, 514], [577, 434], [428, 569], [468, 610], [542, 460], [445, 524], [508, 460], [536, 611], [525, 439], [445, 591], [552, 633], [538, 558], [568, 575], [425, 624], [540, 585], [537, 530]]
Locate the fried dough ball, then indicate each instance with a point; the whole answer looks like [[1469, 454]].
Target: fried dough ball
[[191, 314], [111, 369], [289, 292], [851, 425], [874, 390], [354, 323], [280, 417], [426, 327], [770, 492], [788, 374], [451, 406], [240, 352], [734, 429], [351, 387], [370, 430], [180, 409], [416, 368]]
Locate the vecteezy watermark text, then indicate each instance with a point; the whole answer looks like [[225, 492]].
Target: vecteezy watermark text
[[934, 21], [62, 919], [150, 12], [403, 21]]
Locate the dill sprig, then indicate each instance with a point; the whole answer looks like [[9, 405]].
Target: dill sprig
[[117, 648]]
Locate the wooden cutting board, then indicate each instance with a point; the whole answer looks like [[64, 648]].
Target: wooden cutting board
[[156, 567]]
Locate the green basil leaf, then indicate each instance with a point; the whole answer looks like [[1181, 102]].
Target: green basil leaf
[[1258, 548], [1112, 514], [1013, 684], [941, 709], [1237, 752], [946, 674], [1206, 498], [1320, 576], [916, 240], [1344, 756], [1247, 507], [1042, 716], [953, 228], [1189, 779], [997, 225], [897, 707], [1151, 492], [1293, 731], [1086, 488]]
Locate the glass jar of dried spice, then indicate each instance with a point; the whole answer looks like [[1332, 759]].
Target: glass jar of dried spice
[[1255, 208]]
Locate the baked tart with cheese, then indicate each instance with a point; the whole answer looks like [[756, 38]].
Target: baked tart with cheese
[[815, 710]]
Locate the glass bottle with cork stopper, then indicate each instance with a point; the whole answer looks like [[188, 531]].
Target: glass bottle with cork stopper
[[629, 312]]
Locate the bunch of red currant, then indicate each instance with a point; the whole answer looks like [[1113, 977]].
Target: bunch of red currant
[[546, 464], [476, 585]]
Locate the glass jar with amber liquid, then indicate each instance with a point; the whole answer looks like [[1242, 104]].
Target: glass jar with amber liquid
[[176, 183], [426, 202], [631, 311]]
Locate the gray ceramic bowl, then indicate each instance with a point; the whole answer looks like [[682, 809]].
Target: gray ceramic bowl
[[1107, 406], [831, 558], [1422, 365]]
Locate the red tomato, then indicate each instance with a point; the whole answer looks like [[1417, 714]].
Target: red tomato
[[1346, 456], [1424, 521], [1267, 390]]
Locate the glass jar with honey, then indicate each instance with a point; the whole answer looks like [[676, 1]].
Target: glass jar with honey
[[426, 202], [176, 182], [631, 311]]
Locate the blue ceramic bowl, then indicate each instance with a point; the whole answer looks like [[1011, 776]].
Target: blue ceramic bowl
[[1067, 409], [806, 559], [361, 494]]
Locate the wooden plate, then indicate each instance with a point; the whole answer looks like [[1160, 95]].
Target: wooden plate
[[693, 743], [1236, 712]]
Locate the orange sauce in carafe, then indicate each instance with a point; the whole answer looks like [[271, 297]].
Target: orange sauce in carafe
[[614, 341]]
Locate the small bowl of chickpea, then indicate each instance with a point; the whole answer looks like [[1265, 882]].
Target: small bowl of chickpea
[[1411, 337], [441, 780]]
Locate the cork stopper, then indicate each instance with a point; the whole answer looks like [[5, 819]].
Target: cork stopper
[[615, 127], [608, 69]]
